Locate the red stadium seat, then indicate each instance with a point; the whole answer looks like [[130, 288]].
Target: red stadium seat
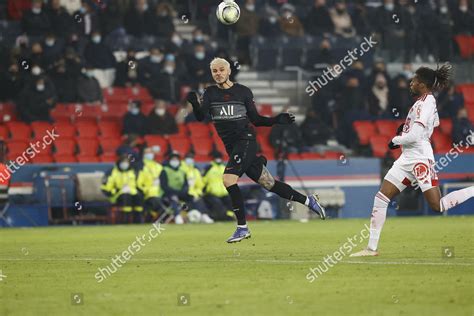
[[109, 129], [263, 130], [180, 144], [65, 129], [386, 127], [87, 129], [219, 144], [7, 112], [467, 90], [466, 45], [41, 129], [65, 146], [87, 112], [87, 146], [87, 159], [4, 132], [364, 130], [294, 156], [378, 143], [157, 140], [42, 158], [19, 130], [202, 158], [62, 112], [16, 148], [199, 129], [108, 157], [109, 145], [333, 155], [114, 112], [202, 146], [183, 130], [311, 156], [446, 126], [265, 109], [441, 142], [64, 158]]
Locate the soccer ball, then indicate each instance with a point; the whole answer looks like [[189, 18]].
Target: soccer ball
[[228, 12]]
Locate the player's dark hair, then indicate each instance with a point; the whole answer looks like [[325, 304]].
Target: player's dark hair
[[435, 79]]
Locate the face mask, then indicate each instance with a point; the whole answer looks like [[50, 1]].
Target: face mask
[[198, 38], [218, 160], [408, 74], [36, 10], [170, 57], [389, 7], [36, 71], [169, 70], [82, 10], [160, 112], [145, 7], [272, 19], [96, 39], [49, 42], [174, 163], [124, 165], [189, 161], [200, 55], [164, 14], [463, 8], [149, 156], [156, 59], [443, 10], [40, 87], [201, 90], [250, 7], [177, 40], [89, 74], [135, 111]]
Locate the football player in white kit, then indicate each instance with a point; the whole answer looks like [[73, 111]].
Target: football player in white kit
[[415, 166]]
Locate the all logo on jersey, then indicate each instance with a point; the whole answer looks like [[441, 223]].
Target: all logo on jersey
[[227, 110], [422, 172]]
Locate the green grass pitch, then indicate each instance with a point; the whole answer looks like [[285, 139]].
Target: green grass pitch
[[190, 270]]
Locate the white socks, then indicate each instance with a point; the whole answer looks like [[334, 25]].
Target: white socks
[[306, 202], [456, 197], [379, 213]]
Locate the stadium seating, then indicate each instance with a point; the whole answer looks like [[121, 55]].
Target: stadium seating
[[64, 158], [442, 142], [19, 130], [180, 144], [386, 127], [202, 146], [40, 129], [199, 129], [87, 147], [4, 132], [110, 129], [109, 145], [378, 144], [87, 129], [65, 129], [364, 130], [64, 146], [465, 44], [157, 140]]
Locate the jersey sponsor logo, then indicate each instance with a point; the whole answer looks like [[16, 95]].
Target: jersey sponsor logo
[[421, 172], [227, 110]]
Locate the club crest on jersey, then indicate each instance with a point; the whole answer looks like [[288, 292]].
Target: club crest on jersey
[[421, 172], [227, 110]]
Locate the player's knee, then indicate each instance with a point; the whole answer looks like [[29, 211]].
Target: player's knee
[[267, 182], [228, 181]]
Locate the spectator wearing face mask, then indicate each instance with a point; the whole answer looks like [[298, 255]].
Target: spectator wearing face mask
[[449, 102], [160, 121], [246, 27], [198, 65], [176, 44], [149, 183], [378, 97], [17, 8], [167, 84], [61, 22], [196, 186], [318, 22], [52, 50], [462, 128], [290, 24], [86, 19], [120, 186], [175, 186], [150, 67], [35, 22], [137, 19], [134, 122], [400, 98], [35, 101], [65, 81], [126, 72], [161, 22], [463, 18], [342, 20], [37, 57], [11, 82], [97, 54], [268, 26], [88, 88]]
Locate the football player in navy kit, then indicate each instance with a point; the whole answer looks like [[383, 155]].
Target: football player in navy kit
[[231, 108]]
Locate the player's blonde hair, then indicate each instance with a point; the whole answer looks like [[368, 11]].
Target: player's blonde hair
[[219, 61]]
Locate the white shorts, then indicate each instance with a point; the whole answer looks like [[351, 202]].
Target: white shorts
[[416, 173]]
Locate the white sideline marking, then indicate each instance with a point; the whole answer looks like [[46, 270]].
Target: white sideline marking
[[256, 260]]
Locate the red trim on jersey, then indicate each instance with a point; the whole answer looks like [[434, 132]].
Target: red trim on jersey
[[406, 182], [434, 182]]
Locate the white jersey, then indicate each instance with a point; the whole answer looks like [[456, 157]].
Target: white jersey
[[423, 112]]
